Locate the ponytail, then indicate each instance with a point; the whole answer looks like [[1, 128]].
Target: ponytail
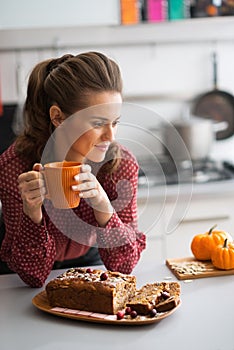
[[37, 127]]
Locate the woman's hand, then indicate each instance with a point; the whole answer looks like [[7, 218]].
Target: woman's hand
[[90, 188], [32, 190]]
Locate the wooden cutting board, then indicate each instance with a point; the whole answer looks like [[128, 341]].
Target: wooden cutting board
[[190, 268]]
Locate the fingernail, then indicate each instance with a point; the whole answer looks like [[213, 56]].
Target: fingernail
[[76, 177], [86, 167]]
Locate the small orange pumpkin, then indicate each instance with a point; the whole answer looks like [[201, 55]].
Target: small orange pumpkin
[[222, 256], [204, 243]]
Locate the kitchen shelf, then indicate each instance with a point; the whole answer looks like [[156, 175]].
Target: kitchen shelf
[[165, 33]]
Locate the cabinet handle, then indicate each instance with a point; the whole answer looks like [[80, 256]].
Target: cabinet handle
[[208, 218]]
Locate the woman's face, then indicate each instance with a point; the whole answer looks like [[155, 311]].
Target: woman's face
[[92, 130]]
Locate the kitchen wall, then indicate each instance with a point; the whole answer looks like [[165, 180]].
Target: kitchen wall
[[54, 13], [161, 75]]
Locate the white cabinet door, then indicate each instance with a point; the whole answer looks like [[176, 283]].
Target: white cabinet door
[[150, 217], [151, 223], [201, 215]]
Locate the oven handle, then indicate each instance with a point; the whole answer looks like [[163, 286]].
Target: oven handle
[[208, 218]]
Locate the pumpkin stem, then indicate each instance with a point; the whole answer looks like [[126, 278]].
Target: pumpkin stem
[[225, 243], [212, 228]]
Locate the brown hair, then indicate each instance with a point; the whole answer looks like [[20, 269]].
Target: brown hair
[[66, 81]]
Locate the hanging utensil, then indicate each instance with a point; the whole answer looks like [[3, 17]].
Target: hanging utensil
[[17, 123], [217, 105]]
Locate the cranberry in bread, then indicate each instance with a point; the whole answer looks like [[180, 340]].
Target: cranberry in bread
[[91, 290]]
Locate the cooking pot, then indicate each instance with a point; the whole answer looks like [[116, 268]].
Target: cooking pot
[[191, 138]]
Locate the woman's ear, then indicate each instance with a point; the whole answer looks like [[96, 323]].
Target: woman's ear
[[56, 115]]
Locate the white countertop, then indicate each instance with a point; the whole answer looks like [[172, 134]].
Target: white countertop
[[205, 319], [203, 189]]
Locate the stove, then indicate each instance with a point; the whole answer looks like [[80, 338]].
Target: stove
[[158, 171]]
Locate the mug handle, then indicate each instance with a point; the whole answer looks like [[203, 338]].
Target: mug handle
[[47, 195]]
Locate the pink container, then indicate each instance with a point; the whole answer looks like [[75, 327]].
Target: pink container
[[156, 10]]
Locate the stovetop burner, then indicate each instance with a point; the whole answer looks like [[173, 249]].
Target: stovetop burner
[[164, 171]]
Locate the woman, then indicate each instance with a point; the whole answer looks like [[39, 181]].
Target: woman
[[39, 237]]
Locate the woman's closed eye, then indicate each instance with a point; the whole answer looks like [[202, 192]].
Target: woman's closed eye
[[101, 123], [115, 122], [98, 124]]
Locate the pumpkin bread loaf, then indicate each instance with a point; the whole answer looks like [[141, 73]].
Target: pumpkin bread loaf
[[91, 290], [162, 296]]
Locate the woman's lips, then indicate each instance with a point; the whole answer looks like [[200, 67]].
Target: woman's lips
[[102, 148]]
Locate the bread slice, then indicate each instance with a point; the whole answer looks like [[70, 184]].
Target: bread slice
[[162, 296]]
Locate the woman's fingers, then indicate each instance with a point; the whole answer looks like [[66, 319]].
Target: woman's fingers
[[32, 194], [85, 186], [87, 183], [89, 188], [37, 167], [86, 176], [88, 194], [29, 176], [31, 185], [32, 190], [86, 168]]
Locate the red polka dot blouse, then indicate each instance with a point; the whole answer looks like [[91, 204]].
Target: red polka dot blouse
[[31, 249]]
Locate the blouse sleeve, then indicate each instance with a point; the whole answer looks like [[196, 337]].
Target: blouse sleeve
[[27, 247], [31, 249], [120, 242]]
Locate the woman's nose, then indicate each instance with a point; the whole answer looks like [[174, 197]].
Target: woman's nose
[[109, 132]]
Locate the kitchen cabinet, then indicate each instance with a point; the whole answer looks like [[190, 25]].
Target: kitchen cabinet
[[150, 220], [150, 49], [202, 214], [111, 35], [204, 211], [53, 13]]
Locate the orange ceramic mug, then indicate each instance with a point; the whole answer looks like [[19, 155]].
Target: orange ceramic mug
[[59, 177]]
